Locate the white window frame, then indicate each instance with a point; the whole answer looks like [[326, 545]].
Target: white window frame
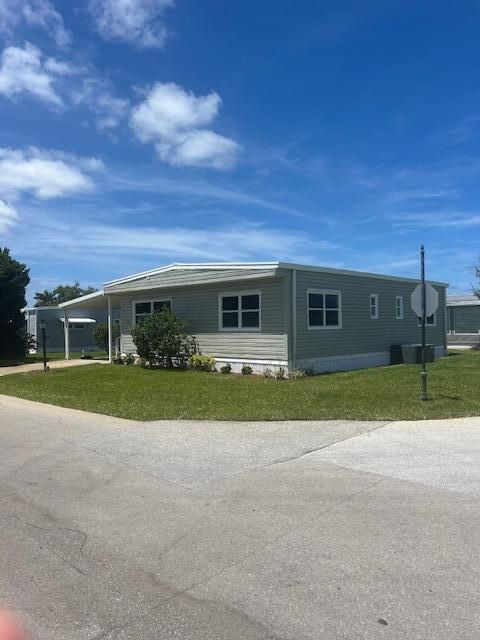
[[151, 301], [376, 315], [434, 323], [399, 308], [239, 294], [329, 327]]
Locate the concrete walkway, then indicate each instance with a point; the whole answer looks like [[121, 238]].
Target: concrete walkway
[[116, 529], [52, 364]]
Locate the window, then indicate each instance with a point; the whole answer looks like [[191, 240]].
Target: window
[[116, 321], [144, 308], [374, 306], [240, 311], [324, 309], [399, 307], [76, 325], [430, 321]]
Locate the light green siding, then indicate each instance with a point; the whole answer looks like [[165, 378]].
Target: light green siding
[[187, 277], [360, 334], [198, 306]]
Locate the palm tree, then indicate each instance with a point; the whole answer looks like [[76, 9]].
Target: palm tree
[[45, 298]]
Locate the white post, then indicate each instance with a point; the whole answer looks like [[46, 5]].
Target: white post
[[66, 328], [109, 302]]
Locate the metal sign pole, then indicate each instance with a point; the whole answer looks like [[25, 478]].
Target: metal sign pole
[[423, 374]]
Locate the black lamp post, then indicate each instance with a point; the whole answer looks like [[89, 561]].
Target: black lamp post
[[43, 326]]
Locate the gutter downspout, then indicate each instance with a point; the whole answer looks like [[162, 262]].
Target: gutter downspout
[[66, 328], [109, 302], [294, 318]]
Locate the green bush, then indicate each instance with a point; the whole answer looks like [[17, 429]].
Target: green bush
[[117, 360], [201, 362], [161, 340], [247, 370], [280, 373], [294, 374], [226, 368], [100, 334], [129, 359]]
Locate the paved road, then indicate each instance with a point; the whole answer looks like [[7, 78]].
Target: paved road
[[238, 531]]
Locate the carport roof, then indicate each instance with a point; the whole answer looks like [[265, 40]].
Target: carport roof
[[96, 300]]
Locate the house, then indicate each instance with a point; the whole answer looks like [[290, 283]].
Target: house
[[81, 327], [276, 314], [463, 320]]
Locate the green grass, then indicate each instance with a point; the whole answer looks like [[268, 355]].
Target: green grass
[[38, 357], [386, 393]]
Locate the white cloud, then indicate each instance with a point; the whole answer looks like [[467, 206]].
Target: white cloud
[[108, 109], [138, 22], [36, 13], [86, 239], [174, 120], [44, 174], [8, 216], [24, 70]]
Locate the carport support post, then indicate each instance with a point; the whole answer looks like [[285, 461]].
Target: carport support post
[[66, 328], [109, 303]]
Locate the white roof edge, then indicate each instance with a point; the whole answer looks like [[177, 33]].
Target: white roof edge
[[353, 272], [193, 266], [89, 296], [43, 307]]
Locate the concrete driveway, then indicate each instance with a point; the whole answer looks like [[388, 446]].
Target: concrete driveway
[[223, 531]]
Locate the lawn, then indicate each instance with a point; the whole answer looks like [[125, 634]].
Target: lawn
[[385, 393], [38, 357]]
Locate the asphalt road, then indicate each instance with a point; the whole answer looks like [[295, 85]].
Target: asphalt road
[[238, 531]]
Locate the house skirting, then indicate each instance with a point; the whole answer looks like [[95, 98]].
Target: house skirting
[[258, 366], [353, 361]]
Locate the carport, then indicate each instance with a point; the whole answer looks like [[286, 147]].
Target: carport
[[92, 301]]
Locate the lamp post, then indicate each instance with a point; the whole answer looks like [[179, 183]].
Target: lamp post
[[43, 326]]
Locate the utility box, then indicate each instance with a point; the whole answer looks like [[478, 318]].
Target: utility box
[[412, 353], [396, 356]]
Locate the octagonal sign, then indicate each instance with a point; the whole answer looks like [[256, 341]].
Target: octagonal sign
[[431, 300]]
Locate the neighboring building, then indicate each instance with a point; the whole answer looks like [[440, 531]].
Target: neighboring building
[[81, 327], [276, 314], [463, 321]]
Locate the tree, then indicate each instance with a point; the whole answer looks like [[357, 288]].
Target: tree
[[45, 298], [67, 292], [14, 278], [62, 293], [100, 334], [476, 290], [161, 340]]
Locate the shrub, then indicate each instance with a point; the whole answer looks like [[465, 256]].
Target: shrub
[[226, 368], [294, 374], [129, 359], [268, 373], [117, 360], [247, 370], [140, 362], [200, 362], [280, 373], [100, 334], [161, 340], [309, 371]]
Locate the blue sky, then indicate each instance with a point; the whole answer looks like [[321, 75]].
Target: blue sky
[[135, 133]]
